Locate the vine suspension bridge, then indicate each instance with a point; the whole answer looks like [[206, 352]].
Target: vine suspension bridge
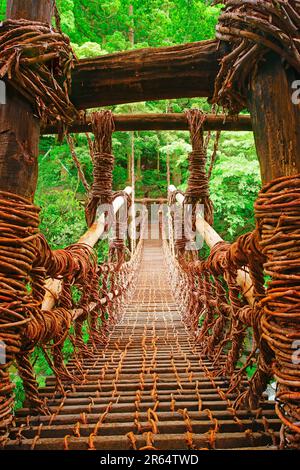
[[170, 335]]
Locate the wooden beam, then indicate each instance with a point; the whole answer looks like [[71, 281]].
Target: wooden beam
[[211, 237], [163, 122], [276, 124], [276, 119], [182, 71], [19, 129]]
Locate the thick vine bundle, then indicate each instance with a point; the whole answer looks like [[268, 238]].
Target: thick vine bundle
[[198, 182], [278, 218], [38, 61], [103, 163], [18, 232], [253, 28]]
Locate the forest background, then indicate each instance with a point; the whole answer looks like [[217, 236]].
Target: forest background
[[98, 27]]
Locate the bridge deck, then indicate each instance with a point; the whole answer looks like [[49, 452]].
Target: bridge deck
[[148, 388]]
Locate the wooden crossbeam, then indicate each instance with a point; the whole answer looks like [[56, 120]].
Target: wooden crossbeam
[[182, 71], [163, 122]]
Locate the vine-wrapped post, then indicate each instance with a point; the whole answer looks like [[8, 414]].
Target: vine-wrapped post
[[19, 138], [276, 121], [261, 72]]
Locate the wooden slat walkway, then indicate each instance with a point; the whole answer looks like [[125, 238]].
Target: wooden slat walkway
[[147, 389]]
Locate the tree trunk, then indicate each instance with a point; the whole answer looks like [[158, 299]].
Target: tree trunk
[[131, 29], [168, 169], [275, 119], [139, 168], [19, 129]]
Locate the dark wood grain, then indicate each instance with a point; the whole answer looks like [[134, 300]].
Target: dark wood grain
[[163, 122], [36, 10], [275, 119], [183, 71]]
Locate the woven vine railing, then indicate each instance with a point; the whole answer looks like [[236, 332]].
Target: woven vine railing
[[91, 294], [264, 334]]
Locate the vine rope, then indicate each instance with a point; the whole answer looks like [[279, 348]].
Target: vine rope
[[103, 161], [38, 61], [253, 28], [208, 295]]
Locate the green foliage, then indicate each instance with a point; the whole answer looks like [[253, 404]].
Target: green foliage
[[2, 9], [62, 217], [66, 9], [235, 184], [88, 49], [155, 22]]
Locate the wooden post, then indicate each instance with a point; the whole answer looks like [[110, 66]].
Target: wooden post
[[275, 119], [19, 128], [19, 139], [276, 123], [35, 10]]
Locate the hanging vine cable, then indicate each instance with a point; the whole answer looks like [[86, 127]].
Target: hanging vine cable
[[198, 183], [103, 160]]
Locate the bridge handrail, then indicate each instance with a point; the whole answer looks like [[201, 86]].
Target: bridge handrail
[[219, 302], [90, 238], [211, 238], [102, 290]]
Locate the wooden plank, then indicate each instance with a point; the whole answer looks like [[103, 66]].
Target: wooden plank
[[127, 417], [161, 441], [175, 425], [163, 122], [187, 70]]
